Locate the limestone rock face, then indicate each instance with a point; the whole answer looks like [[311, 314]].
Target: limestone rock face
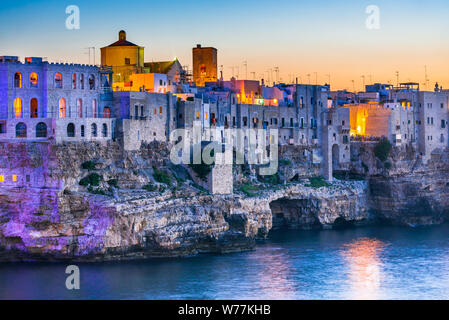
[[48, 215]]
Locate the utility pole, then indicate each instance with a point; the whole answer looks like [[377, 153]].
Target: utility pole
[[353, 86], [308, 78], [316, 78], [397, 78]]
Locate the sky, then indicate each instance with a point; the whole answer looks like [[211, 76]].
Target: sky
[[314, 41]]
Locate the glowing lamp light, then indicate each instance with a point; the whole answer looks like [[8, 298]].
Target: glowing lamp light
[[359, 129]]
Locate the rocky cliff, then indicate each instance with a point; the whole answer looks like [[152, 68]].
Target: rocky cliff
[[96, 202]]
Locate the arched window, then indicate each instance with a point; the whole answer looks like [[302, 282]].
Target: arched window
[[62, 108], [17, 108], [74, 81], [82, 81], [93, 129], [91, 82], [94, 108], [21, 130], [107, 112], [79, 106], [82, 130], [104, 130], [33, 108], [58, 80], [70, 130], [33, 80], [41, 130], [18, 80]]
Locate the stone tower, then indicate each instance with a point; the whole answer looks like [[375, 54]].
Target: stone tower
[[124, 57], [204, 65]]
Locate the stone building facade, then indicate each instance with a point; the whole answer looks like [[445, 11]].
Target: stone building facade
[[40, 100]]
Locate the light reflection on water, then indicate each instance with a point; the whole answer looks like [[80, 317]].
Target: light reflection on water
[[364, 268], [365, 263]]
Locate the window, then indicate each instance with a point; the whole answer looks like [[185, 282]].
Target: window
[[14, 177], [74, 81], [17, 80], [62, 108], [94, 108], [127, 61], [291, 122], [160, 82], [58, 80], [93, 129], [82, 81], [443, 124], [155, 111], [245, 121], [345, 139], [160, 110], [233, 121], [2, 127], [70, 130], [104, 130], [442, 138], [442, 105], [206, 116], [33, 108], [141, 111], [82, 130], [21, 130], [107, 112], [2, 178], [283, 122], [79, 106], [91, 82], [17, 108], [33, 80], [41, 130], [197, 115]]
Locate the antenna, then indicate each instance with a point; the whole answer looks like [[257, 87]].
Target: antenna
[[426, 79], [316, 78], [363, 82], [245, 64], [397, 78], [308, 77], [353, 86]]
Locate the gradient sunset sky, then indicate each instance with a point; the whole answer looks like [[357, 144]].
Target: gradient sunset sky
[[316, 38]]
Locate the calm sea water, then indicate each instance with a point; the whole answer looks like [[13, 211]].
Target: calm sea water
[[364, 263]]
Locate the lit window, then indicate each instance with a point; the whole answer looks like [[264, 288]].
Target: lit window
[[18, 80], [2, 178], [14, 177], [58, 80], [160, 109], [197, 115], [33, 80], [18, 108]]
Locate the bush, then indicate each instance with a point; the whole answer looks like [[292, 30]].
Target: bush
[[382, 149], [162, 176], [113, 183], [273, 179], [92, 179], [150, 187], [88, 165], [387, 165], [318, 182], [248, 189], [201, 170]]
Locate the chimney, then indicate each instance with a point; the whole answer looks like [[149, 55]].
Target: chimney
[[198, 46]]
